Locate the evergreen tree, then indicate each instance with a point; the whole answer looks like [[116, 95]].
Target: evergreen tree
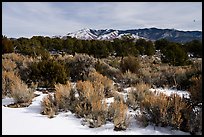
[[7, 45], [194, 47], [161, 43], [174, 54]]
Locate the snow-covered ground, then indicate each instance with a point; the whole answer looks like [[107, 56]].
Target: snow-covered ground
[[29, 121]]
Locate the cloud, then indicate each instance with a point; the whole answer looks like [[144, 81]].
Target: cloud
[[47, 18], [27, 19]]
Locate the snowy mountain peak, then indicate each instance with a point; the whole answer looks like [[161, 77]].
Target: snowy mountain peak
[[146, 33], [105, 34], [83, 34]]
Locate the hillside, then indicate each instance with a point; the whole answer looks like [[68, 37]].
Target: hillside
[[146, 33]]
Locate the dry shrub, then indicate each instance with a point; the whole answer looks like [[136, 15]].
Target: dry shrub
[[14, 87], [98, 113], [114, 62], [80, 66], [143, 87], [134, 98], [17, 63], [146, 75], [196, 89], [165, 111], [99, 78], [14, 57], [8, 65], [99, 89], [196, 121], [85, 90], [90, 103], [113, 106], [179, 107], [118, 113], [48, 106], [21, 61], [107, 70], [7, 81], [137, 94], [62, 95], [20, 92], [130, 63], [130, 78]]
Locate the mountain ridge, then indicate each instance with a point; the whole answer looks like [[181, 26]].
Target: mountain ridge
[[152, 34]]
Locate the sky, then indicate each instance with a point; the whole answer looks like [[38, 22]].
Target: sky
[[26, 19]]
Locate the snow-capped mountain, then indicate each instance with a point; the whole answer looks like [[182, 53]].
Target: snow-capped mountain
[[107, 34], [83, 34], [146, 33]]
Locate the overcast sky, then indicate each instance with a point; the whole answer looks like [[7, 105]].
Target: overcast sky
[[25, 19]]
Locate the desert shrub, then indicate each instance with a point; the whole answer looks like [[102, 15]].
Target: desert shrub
[[21, 93], [130, 63], [186, 81], [7, 81], [120, 117], [114, 62], [13, 86], [8, 65], [182, 80], [113, 106], [62, 95], [111, 111], [196, 90], [146, 75], [137, 94], [98, 113], [164, 77], [19, 64], [99, 78], [80, 66], [48, 106], [90, 103], [165, 111], [129, 78], [15, 57], [107, 70], [196, 121]]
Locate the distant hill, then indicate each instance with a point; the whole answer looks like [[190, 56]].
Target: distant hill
[[146, 33]]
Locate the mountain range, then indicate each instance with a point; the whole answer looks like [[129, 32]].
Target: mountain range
[[146, 33]]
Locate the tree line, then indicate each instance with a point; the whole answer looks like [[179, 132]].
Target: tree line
[[172, 52]]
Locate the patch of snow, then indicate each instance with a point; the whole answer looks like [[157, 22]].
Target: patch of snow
[[168, 92], [7, 101], [109, 100], [128, 89], [29, 121]]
